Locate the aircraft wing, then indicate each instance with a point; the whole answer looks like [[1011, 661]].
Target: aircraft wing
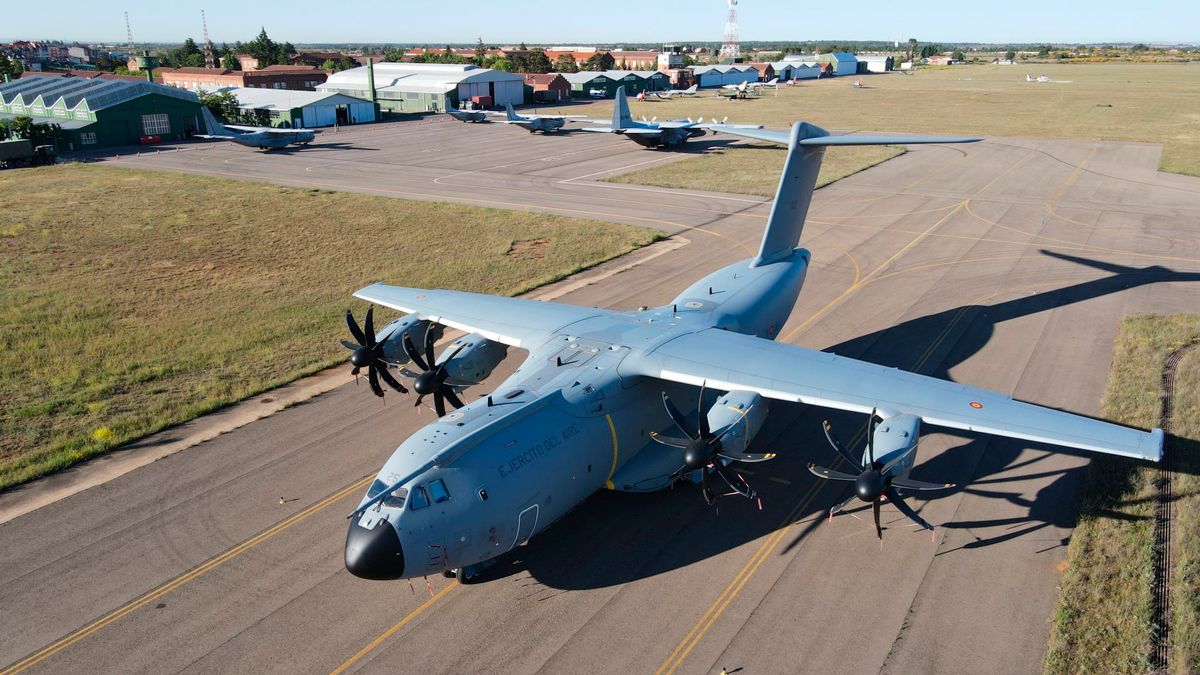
[[790, 373], [602, 129], [642, 132], [516, 322], [269, 130], [783, 137]]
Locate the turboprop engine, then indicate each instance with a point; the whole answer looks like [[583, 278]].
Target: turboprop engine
[[744, 413], [467, 361]]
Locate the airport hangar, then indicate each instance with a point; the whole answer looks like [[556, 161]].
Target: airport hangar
[[103, 113], [304, 109], [427, 87]]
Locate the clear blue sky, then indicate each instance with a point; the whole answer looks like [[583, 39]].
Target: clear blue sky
[[584, 21]]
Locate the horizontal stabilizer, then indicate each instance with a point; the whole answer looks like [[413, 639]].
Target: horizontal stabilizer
[[814, 135]]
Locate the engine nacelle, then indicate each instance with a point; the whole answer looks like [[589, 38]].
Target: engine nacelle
[[745, 410], [893, 437], [393, 347], [478, 358]]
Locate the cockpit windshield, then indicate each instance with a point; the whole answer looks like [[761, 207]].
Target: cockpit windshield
[[395, 500]]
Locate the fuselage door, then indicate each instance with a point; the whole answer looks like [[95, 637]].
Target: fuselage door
[[526, 524]]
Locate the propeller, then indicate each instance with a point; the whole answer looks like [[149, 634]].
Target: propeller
[[433, 379], [368, 352], [703, 451], [874, 482]]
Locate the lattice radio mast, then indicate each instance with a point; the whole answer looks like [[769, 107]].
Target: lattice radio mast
[[129, 35], [731, 48], [210, 60]]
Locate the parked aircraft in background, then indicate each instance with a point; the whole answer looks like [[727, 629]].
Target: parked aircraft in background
[[734, 92], [671, 93], [466, 115], [266, 138], [652, 134], [752, 87], [594, 404], [532, 123]]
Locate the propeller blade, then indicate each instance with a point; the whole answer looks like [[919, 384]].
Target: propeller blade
[[350, 345], [439, 403], [740, 486], [749, 457], [706, 489], [679, 419], [418, 402], [454, 353], [408, 373], [392, 382], [878, 527], [830, 474], [429, 356], [910, 484], [668, 440], [836, 509], [453, 398], [896, 499], [837, 445], [369, 328], [890, 465], [373, 380], [705, 432], [871, 437], [654, 119], [354, 329], [413, 355], [729, 427]]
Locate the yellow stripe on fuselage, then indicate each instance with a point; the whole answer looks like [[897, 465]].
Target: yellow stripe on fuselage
[[612, 428]]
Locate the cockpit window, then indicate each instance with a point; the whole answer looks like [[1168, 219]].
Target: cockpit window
[[376, 487], [437, 490], [396, 499], [419, 498]]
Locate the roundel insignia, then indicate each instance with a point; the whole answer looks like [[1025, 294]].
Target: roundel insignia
[[976, 405]]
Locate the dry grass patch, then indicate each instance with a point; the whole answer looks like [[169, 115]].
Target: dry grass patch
[[754, 169], [1103, 622], [1149, 102], [133, 300]]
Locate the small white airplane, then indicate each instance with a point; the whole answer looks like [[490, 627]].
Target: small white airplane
[[672, 93], [752, 86]]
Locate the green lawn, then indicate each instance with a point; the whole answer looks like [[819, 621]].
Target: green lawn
[[132, 301], [1103, 622], [1154, 103]]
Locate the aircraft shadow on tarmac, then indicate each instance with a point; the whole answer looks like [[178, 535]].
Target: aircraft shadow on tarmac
[[615, 538]]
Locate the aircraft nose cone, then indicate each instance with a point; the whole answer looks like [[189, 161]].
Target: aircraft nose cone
[[375, 553]]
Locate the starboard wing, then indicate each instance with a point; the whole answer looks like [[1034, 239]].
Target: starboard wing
[[790, 373], [517, 322]]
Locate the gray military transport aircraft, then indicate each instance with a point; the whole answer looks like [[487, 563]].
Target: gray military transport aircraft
[[652, 134], [466, 115], [266, 138], [594, 403], [532, 123]]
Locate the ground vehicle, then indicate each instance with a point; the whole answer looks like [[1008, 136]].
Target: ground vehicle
[[597, 93], [22, 152]]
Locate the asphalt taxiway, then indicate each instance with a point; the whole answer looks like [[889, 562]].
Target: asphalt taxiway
[[1006, 264]]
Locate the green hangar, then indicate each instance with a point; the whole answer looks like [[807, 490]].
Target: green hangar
[[101, 113]]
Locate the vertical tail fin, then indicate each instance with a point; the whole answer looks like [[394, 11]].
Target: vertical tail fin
[[796, 186], [621, 119], [512, 115], [214, 127]]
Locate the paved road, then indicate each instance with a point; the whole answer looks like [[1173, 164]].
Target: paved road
[[1006, 264]]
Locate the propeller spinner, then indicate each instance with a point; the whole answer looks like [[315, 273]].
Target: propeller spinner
[[433, 379]]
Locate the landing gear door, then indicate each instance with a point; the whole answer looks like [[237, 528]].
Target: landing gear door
[[526, 525]]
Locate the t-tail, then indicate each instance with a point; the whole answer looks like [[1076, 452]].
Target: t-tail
[[806, 147]]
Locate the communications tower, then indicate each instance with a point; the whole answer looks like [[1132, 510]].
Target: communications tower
[[210, 60], [731, 48]]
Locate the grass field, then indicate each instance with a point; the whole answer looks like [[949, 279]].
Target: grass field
[[132, 301], [754, 169], [1103, 622], [1154, 103]]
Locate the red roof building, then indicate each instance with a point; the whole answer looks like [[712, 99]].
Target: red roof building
[[301, 78], [548, 87]]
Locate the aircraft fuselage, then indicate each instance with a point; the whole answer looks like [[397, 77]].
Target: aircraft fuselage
[[566, 424]]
